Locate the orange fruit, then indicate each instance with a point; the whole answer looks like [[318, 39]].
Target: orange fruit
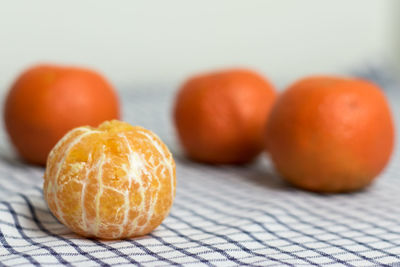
[[46, 101], [220, 117], [111, 182], [330, 134]]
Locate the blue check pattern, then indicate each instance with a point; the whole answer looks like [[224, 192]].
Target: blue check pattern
[[222, 216]]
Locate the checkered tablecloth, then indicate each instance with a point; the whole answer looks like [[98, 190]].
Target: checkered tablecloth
[[224, 216]]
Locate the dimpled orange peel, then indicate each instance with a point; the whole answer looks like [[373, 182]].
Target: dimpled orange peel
[[112, 182]]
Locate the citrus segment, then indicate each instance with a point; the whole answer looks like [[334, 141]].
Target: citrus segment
[[116, 181]]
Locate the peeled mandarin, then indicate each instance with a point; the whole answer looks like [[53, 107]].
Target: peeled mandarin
[[112, 182]]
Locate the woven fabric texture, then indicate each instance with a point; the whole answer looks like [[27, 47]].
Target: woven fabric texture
[[223, 216]]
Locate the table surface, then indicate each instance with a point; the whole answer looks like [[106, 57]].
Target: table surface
[[224, 216]]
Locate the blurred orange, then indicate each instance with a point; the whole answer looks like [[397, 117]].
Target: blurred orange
[[220, 117], [46, 101], [111, 182], [330, 134]]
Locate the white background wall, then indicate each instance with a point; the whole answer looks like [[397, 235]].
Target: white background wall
[[151, 42]]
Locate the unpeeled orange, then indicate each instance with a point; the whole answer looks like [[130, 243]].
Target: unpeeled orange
[[46, 101], [330, 134], [220, 117], [111, 182]]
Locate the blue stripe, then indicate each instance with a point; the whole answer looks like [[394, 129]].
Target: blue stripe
[[45, 230], [263, 226], [317, 227], [15, 252], [181, 250], [229, 240], [151, 253], [77, 248], [365, 222], [59, 258]]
